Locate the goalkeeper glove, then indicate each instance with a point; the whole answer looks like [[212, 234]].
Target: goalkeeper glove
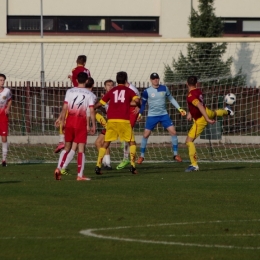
[[182, 111], [139, 117]]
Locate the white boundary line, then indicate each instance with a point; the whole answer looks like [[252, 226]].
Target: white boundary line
[[91, 233]]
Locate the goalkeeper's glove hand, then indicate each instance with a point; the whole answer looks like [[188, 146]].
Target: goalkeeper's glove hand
[[182, 111], [139, 117]]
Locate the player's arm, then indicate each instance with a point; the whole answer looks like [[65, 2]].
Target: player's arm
[[62, 116], [143, 104], [9, 103], [93, 121], [189, 116], [174, 102], [203, 111]]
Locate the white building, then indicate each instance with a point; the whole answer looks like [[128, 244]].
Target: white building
[[100, 19]]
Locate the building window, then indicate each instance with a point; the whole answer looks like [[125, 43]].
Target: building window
[[31, 24], [133, 25], [83, 24], [230, 26], [251, 26], [80, 24], [241, 26]]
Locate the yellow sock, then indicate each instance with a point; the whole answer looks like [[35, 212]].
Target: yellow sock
[[61, 132], [132, 149], [101, 154], [192, 153], [101, 120], [221, 112]]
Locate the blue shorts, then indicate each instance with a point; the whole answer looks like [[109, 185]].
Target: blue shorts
[[152, 121]]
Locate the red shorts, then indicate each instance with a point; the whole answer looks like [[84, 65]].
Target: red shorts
[[133, 117], [76, 135], [103, 131], [3, 128]]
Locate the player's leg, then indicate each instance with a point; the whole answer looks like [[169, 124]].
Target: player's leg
[[61, 143], [4, 134], [101, 154], [150, 124], [126, 133], [107, 160], [81, 163], [174, 137], [167, 123], [4, 150], [68, 159], [111, 135], [125, 160], [227, 111], [99, 143], [126, 150], [196, 129], [69, 135], [62, 159]]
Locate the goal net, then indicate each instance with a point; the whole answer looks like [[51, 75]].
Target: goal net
[[223, 65]]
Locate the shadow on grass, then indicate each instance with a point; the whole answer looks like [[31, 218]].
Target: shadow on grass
[[224, 168], [9, 182]]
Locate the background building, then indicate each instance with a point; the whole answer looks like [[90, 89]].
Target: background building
[[100, 19]]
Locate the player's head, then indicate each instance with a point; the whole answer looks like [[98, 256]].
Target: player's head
[[90, 83], [109, 84], [121, 77], [155, 79], [192, 81], [2, 80], [82, 78], [81, 60]]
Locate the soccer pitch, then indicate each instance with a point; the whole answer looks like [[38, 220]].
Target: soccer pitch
[[161, 213]]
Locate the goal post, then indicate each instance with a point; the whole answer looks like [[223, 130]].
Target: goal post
[[231, 139]]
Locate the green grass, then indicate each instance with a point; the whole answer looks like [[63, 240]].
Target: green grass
[[164, 213]]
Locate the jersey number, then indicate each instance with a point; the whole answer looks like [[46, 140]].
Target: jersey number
[[79, 103], [119, 96]]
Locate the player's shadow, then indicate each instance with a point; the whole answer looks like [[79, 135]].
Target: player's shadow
[[224, 168], [9, 182]]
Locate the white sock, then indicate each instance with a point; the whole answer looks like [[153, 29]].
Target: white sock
[[69, 158], [108, 160], [62, 138], [81, 165], [4, 150], [60, 158], [104, 160], [126, 151]]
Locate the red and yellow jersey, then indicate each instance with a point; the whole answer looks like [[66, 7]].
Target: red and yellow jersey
[[119, 99], [76, 71], [194, 97], [5, 97]]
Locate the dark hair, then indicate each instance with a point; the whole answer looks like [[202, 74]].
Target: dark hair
[[90, 83], [82, 59], [2, 76], [109, 81], [192, 80], [121, 77], [82, 77]]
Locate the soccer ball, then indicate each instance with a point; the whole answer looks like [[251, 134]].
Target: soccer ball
[[230, 99]]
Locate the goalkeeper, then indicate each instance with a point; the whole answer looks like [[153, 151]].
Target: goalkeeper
[[156, 95]]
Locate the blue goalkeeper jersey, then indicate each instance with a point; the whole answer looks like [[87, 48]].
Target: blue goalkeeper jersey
[[156, 98]]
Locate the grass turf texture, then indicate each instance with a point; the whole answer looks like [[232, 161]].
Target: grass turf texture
[[190, 214]]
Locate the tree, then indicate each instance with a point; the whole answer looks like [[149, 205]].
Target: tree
[[204, 60]]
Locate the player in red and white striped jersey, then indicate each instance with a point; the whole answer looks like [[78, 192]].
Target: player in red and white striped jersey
[[5, 104], [77, 101]]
